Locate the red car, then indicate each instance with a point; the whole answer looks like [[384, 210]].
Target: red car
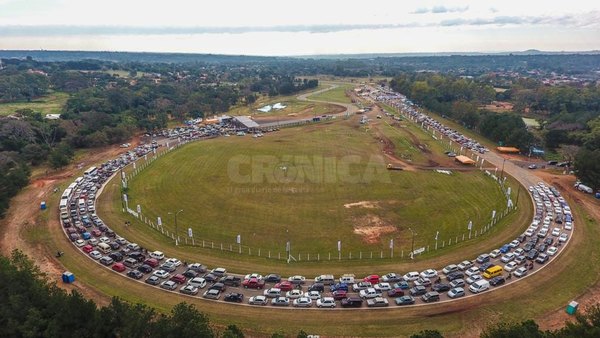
[[284, 286], [153, 262], [87, 248], [179, 278], [253, 283], [397, 292], [118, 267], [339, 294], [374, 279], [96, 233]]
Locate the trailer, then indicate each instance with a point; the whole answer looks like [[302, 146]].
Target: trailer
[[584, 188]]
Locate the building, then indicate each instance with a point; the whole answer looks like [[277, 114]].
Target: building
[[244, 123]]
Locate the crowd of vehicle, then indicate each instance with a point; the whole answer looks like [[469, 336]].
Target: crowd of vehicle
[[541, 242], [401, 102]]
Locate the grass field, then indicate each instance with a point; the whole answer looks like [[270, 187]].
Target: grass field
[[313, 211], [50, 104], [337, 94]]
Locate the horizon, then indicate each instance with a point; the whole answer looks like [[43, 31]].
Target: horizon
[[267, 28]]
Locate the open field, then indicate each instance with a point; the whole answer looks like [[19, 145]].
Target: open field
[[337, 94], [548, 291], [52, 103]]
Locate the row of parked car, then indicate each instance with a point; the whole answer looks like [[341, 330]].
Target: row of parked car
[[325, 291]]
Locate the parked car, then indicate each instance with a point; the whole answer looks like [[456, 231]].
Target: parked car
[[369, 293], [284, 286], [361, 286], [440, 287], [498, 280], [377, 302], [456, 292], [212, 294], [272, 292], [253, 283], [404, 300], [351, 302], [258, 300], [418, 290], [429, 273], [189, 290], [373, 279], [153, 280], [520, 272], [135, 274], [280, 301], [391, 277], [234, 297], [326, 302], [302, 302], [297, 279], [161, 274], [431, 296], [457, 283], [339, 294], [118, 267], [552, 251], [411, 276], [464, 265], [454, 275], [178, 278], [450, 269], [272, 278]]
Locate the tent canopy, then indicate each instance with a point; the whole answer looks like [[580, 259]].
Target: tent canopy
[[464, 160], [508, 149]]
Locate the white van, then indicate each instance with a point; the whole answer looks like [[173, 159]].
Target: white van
[[347, 279], [81, 202], [325, 279], [479, 286], [104, 248], [157, 255]]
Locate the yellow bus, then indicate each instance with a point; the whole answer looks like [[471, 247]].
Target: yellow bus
[[492, 272]]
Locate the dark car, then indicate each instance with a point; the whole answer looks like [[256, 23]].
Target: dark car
[[401, 285], [549, 241], [542, 247], [209, 277], [110, 233], [339, 294], [418, 290], [395, 292], [532, 254], [234, 297], [455, 275], [440, 287], [218, 286], [114, 245], [338, 286], [317, 287], [485, 266], [351, 302], [135, 274], [116, 256], [138, 256], [190, 273], [145, 268], [431, 296], [272, 278], [231, 280], [542, 258], [498, 280]]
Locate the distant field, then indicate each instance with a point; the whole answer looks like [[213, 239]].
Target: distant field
[[335, 95], [49, 104], [363, 204]]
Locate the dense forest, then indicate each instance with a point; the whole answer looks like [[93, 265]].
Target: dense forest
[[30, 306]]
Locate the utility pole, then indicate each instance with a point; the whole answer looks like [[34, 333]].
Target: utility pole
[[176, 230]]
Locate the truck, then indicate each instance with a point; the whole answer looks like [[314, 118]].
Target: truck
[[583, 188]]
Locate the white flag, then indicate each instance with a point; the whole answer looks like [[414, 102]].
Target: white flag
[[139, 209], [238, 240], [470, 226], [339, 245], [510, 203], [508, 191], [493, 213], [125, 198], [190, 233], [391, 243], [287, 246], [436, 235], [159, 221]]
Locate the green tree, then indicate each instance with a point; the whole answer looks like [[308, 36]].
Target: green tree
[[427, 334], [60, 156], [525, 329], [232, 331], [587, 167]]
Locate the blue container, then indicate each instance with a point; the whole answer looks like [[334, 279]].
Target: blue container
[[68, 277], [43, 205], [86, 235], [598, 195]]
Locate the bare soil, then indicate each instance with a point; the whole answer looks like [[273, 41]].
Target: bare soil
[[363, 204], [24, 213], [371, 227]]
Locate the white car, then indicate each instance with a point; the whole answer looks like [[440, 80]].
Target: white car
[[382, 287], [555, 231], [95, 254], [157, 255], [464, 265], [295, 293], [80, 242], [361, 286], [161, 274], [326, 302], [568, 226], [495, 253], [173, 261], [520, 272], [411, 276], [508, 257], [519, 252], [472, 271], [257, 300], [104, 239], [473, 278], [302, 302], [391, 277], [296, 279], [429, 273], [272, 292], [563, 237], [511, 266], [253, 275], [515, 243], [198, 282], [552, 251], [219, 272], [450, 268], [314, 295], [369, 293], [530, 232]]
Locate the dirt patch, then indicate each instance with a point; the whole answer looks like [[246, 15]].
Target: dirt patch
[[371, 227], [362, 204]]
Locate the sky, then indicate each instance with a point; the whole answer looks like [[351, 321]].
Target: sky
[[307, 27]]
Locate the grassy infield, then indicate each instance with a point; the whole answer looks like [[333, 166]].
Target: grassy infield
[[50, 104], [546, 291]]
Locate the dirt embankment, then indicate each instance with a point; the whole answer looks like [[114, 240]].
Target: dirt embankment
[[24, 213]]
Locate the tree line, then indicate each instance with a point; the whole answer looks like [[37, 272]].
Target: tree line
[[31, 306]]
